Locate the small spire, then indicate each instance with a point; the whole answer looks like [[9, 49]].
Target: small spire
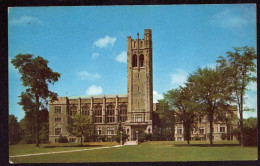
[[137, 35]]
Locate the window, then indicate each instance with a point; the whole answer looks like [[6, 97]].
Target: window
[[98, 114], [73, 110], [138, 89], [110, 114], [138, 75], [134, 61], [57, 109], [179, 130], [85, 110], [138, 118], [72, 140], [138, 104], [201, 131], [122, 113], [222, 129], [110, 130], [57, 131], [179, 138], [98, 131], [57, 119], [141, 60]]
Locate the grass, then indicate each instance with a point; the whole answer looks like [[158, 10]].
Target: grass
[[145, 152]]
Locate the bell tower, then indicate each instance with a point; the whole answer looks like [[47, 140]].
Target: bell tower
[[140, 82]]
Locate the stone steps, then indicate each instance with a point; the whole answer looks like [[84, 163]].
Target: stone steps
[[131, 143]]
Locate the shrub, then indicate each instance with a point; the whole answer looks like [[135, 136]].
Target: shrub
[[196, 138], [223, 136], [62, 139], [141, 137], [148, 137]]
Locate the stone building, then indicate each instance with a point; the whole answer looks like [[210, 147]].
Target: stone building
[[134, 110]]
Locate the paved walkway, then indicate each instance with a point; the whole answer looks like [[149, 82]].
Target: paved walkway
[[37, 154]]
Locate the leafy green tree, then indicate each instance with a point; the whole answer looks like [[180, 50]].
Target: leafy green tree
[[181, 100], [118, 134], [14, 132], [35, 76], [28, 125], [250, 132], [80, 126], [209, 90], [239, 67], [165, 128]]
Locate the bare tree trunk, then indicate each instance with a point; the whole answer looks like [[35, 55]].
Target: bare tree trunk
[[210, 128], [81, 141], [241, 122], [37, 120]]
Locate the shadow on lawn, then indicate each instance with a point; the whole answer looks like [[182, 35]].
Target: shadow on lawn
[[70, 146], [205, 145]]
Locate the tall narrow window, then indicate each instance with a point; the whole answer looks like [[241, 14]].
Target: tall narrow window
[[138, 76], [57, 131], [134, 61], [141, 60], [138, 89], [85, 110], [122, 113], [73, 110], [98, 114], [110, 114]]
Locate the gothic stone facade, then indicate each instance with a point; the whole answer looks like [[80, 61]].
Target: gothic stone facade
[[134, 110]]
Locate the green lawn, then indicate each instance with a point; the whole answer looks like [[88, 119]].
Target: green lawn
[[145, 152]]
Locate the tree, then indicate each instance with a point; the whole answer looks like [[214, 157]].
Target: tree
[[166, 118], [80, 125], [118, 134], [14, 132], [181, 101], [250, 132], [28, 125], [209, 90], [239, 67], [35, 75]]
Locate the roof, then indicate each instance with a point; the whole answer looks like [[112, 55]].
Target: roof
[[98, 96]]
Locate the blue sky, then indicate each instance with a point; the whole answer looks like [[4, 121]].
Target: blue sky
[[87, 45]]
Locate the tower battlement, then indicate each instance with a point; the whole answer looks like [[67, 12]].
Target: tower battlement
[[138, 43]]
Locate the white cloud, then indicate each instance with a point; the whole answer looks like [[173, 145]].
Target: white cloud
[[26, 20], [94, 90], [234, 19], [94, 55], [104, 42], [122, 57], [156, 96], [178, 78], [84, 75]]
